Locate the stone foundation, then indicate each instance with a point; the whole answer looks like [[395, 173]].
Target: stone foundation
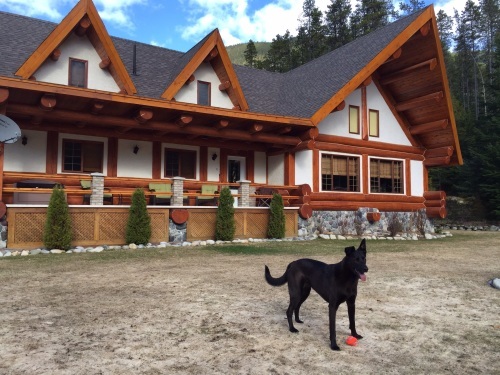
[[355, 223]]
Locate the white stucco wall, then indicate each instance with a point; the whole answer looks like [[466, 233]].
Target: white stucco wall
[[135, 165], [276, 173], [29, 158], [304, 167], [213, 165], [389, 128], [260, 167], [189, 93], [337, 123], [82, 138], [417, 178], [78, 48]]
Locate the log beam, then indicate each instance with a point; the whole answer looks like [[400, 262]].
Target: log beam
[[143, 115], [213, 54], [436, 203], [437, 161], [255, 128], [82, 26], [435, 212], [4, 95], [48, 102], [366, 82], [396, 55], [284, 130], [440, 151], [104, 64], [224, 86], [309, 134], [97, 107], [429, 127], [405, 72], [424, 30], [190, 79], [184, 120], [435, 195], [420, 101], [221, 124], [340, 107], [54, 56]]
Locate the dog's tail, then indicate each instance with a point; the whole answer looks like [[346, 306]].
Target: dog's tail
[[275, 281]]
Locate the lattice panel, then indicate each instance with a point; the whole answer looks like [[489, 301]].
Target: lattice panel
[[257, 224], [83, 225], [239, 218], [112, 226], [159, 227], [29, 226], [291, 224], [201, 225]]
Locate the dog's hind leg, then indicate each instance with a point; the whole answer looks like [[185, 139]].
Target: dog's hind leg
[[294, 303], [306, 290]]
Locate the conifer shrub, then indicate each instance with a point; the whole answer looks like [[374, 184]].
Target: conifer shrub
[[225, 225], [276, 226], [58, 232], [139, 223]]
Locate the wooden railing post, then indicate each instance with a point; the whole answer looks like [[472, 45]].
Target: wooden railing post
[[177, 191]]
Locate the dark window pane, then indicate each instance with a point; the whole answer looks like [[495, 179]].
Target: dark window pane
[[203, 93], [78, 73]]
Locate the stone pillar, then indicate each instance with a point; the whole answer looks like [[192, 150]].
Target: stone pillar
[[177, 191], [244, 192], [97, 197]]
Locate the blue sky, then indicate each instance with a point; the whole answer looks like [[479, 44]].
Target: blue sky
[[180, 24]]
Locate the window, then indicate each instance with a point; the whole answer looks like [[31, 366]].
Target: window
[[353, 119], [373, 117], [203, 93], [386, 176], [82, 156], [339, 173], [180, 163], [77, 73]]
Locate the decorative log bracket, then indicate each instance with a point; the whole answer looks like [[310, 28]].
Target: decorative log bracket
[[184, 120], [54, 56], [420, 101], [143, 115], [83, 26], [48, 102], [429, 127], [405, 72]]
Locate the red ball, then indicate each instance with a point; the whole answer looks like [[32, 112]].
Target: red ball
[[351, 340]]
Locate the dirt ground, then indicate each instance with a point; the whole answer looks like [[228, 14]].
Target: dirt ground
[[423, 311]]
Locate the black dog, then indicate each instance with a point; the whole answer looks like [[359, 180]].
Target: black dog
[[336, 283]]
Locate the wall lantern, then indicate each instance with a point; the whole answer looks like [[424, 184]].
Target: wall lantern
[[136, 149], [24, 140], [214, 156]]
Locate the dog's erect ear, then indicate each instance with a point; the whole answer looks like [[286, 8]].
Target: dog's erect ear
[[362, 246], [349, 250]]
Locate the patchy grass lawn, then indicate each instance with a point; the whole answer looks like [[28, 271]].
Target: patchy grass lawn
[[426, 308]]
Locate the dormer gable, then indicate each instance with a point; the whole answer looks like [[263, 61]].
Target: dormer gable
[[211, 51], [84, 21]]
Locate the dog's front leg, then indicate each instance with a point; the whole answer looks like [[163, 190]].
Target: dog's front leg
[[332, 310], [351, 311]]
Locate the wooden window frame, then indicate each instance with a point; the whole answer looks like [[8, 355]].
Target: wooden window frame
[[397, 185], [208, 85], [66, 141], [358, 119], [375, 111], [71, 60], [181, 152], [353, 186]]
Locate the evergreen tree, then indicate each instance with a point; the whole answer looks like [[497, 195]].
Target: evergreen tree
[[139, 222], [225, 225], [410, 6], [371, 15], [337, 23], [58, 232], [250, 54], [276, 227], [279, 58], [311, 40]]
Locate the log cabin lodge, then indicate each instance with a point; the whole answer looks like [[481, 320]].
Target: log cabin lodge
[[357, 128]]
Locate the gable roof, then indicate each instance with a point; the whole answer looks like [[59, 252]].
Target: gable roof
[[211, 48], [84, 11]]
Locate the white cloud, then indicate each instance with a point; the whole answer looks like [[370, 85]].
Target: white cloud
[[118, 12], [40, 8]]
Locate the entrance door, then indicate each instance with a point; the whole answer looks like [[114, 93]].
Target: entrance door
[[236, 168]]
